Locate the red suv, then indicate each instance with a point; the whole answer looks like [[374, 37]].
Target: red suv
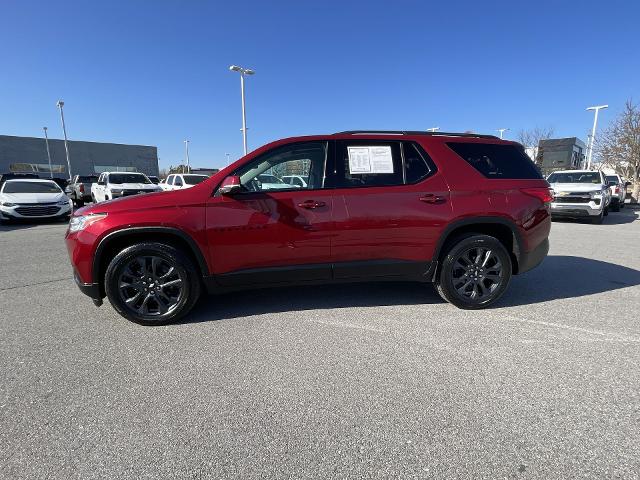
[[464, 211]]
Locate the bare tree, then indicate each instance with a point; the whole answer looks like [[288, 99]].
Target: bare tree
[[619, 146], [530, 139]]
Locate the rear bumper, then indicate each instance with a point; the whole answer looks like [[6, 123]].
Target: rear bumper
[[530, 260]]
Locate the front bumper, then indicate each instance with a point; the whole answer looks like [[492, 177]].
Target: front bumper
[[34, 212], [590, 209], [91, 290]]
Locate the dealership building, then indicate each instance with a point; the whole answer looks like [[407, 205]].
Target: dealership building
[[29, 155]]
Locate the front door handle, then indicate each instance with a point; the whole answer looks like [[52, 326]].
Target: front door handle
[[311, 204], [431, 198]]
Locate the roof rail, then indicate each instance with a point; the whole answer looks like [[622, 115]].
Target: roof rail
[[414, 132]]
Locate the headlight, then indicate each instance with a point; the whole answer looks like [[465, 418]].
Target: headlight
[[7, 204], [596, 194], [62, 203], [80, 223]]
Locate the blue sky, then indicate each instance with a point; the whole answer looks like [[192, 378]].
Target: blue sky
[[156, 72]]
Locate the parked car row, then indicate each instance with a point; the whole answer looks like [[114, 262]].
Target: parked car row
[[586, 194]]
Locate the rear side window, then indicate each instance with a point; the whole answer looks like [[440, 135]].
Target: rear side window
[[368, 163], [415, 162], [497, 161]]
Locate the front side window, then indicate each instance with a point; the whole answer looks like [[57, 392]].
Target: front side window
[[266, 172], [178, 181]]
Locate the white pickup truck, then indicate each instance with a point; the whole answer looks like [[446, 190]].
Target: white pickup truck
[[112, 185], [579, 194]]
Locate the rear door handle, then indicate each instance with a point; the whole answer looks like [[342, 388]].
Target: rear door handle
[[431, 198], [311, 204]]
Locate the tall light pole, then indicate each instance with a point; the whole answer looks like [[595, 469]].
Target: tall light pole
[[46, 141], [186, 152], [60, 104], [243, 72], [433, 129], [228, 162], [502, 130], [597, 108]]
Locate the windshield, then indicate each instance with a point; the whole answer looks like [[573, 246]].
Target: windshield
[[612, 178], [128, 178], [30, 187], [574, 177], [193, 179], [87, 179]]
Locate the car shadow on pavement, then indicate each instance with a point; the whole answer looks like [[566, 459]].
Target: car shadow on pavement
[[561, 276], [292, 299], [626, 215], [24, 224], [556, 278]]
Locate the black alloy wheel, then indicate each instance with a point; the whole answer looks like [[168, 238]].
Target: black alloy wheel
[[152, 283], [475, 272]]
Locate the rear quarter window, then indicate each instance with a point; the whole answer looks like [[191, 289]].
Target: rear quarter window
[[497, 161]]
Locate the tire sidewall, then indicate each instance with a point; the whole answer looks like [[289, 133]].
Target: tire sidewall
[[445, 282], [181, 262]]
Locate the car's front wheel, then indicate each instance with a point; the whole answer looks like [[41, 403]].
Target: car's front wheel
[[475, 272], [152, 283]]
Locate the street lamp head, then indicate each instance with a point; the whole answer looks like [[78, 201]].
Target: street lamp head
[[60, 104], [597, 107], [45, 128], [244, 71]]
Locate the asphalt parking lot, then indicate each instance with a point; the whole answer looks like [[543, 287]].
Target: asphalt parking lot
[[358, 381]]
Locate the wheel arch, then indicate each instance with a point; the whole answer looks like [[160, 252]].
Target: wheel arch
[[501, 228], [115, 241]]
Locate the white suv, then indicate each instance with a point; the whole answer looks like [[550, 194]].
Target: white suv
[[180, 181], [579, 194], [112, 185]]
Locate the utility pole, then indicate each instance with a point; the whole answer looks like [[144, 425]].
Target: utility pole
[[186, 151], [502, 130], [46, 140], [228, 162], [593, 132], [60, 104], [243, 72]]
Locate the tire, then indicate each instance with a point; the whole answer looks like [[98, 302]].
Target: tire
[[161, 263], [606, 211], [598, 220], [458, 288], [79, 203], [93, 198]]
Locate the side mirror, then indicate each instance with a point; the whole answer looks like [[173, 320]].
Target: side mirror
[[230, 185]]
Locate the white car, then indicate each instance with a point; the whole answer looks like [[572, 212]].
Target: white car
[[618, 191], [33, 199], [112, 185], [271, 182], [579, 194], [296, 180], [180, 181]]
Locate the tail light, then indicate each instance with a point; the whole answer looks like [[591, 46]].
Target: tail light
[[81, 188], [545, 195], [616, 189]]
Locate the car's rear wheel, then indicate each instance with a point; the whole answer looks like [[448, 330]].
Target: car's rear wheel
[[606, 211], [474, 272], [152, 283], [79, 202], [615, 206]]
